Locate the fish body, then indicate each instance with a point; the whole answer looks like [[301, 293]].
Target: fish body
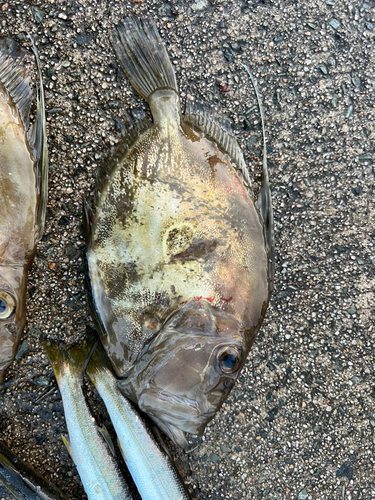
[[96, 465], [22, 481], [151, 468], [23, 193], [177, 254]]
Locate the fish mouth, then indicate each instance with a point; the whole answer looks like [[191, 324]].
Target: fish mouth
[[181, 412], [174, 415]]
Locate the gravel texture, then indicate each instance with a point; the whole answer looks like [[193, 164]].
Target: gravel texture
[[300, 422]]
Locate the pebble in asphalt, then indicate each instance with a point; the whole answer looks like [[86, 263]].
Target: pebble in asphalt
[[300, 422]]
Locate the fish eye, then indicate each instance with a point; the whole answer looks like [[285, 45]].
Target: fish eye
[[7, 305], [229, 359]]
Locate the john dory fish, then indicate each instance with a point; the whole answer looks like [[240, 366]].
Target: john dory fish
[[23, 193], [178, 251]]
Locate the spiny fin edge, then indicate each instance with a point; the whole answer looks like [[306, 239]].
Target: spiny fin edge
[[16, 82], [220, 131]]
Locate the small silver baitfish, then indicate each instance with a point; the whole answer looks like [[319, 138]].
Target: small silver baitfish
[[151, 468], [95, 463], [180, 256], [23, 192], [22, 481]]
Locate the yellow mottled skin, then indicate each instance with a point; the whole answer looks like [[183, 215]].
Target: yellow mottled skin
[[174, 223]]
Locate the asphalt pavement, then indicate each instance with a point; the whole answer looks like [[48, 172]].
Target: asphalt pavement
[[300, 422]]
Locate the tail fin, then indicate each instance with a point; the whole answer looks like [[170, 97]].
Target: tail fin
[[143, 56], [73, 360], [98, 363]]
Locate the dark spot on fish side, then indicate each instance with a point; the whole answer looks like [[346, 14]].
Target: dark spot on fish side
[[190, 134], [213, 161], [199, 249]]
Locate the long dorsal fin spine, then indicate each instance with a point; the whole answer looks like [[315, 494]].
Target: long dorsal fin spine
[[39, 144], [264, 200]]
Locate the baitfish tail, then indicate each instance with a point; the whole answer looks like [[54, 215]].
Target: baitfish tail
[[143, 56], [98, 364], [152, 469], [74, 361]]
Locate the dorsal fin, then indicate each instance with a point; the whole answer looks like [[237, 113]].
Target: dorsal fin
[[87, 220], [220, 131], [14, 78], [38, 140], [264, 200], [110, 164], [16, 81]]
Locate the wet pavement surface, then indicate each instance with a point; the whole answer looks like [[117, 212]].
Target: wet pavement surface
[[300, 422]]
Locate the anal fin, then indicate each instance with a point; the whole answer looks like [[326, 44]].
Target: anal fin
[[107, 438]]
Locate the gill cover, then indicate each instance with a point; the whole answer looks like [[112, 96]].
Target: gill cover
[[185, 373]]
